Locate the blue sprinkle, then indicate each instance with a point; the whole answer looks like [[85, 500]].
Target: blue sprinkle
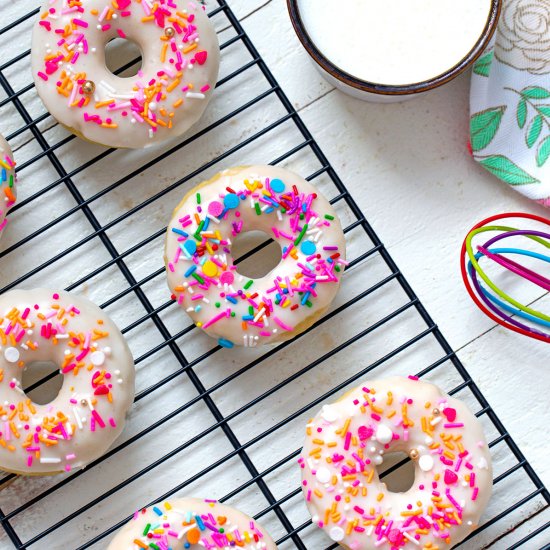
[[330, 260], [198, 519], [305, 298], [192, 269], [231, 200], [304, 207], [198, 308], [231, 299], [180, 232], [278, 296], [308, 248], [277, 185], [190, 246], [248, 317], [226, 344], [4, 174], [206, 223], [157, 511]]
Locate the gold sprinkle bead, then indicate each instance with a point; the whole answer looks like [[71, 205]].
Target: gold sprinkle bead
[[436, 412], [88, 87], [414, 454], [169, 32]]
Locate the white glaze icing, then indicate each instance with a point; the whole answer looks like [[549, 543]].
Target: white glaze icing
[[89, 412], [354, 506], [189, 63], [8, 192], [222, 302], [178, 516]]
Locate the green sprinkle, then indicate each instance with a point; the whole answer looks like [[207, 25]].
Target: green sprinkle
[[302, 216], [248, 284], [221, 530], [309, 304], [337, 268], [217, 304], [198, 198], [301, 235], [232, 314], [198, 277], [146, 530], [153, 545], [283, 210], [258, 209], [11, 181], [328, 217], [250, 310]]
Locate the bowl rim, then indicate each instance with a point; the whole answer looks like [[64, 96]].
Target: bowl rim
[[387, 89]]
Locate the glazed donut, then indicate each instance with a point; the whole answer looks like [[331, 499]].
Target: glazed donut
[[191, 523], [168, 95], [7, 181], [348, 439], [80, 424], [205, 281]]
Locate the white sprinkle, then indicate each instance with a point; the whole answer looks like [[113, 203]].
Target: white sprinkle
[[337, 534], [194, 95], [11, 355], [46, 460], [407, 536], [383, 434], [426, 463], [323, 475], [97, 358], [77, 417]]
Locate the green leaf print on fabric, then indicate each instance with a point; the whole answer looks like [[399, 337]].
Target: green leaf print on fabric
[[483, 64], [522, 113], [535, 92], [506, 170], [533, 132], [543, 151], [484, 126], [538, 114]]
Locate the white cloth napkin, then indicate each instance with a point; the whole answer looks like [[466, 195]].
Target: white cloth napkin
[[510, 100]]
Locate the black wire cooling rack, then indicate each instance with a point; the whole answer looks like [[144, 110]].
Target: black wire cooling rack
[[207, 422]]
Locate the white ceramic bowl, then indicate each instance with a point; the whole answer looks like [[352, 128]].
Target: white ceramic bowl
[[379, 91]]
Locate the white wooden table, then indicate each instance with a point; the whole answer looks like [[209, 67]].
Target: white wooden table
[[407, 166]]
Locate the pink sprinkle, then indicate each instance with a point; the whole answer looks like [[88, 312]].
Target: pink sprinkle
[[347, 441], [42, 75], [474, 493], [98, 418], [283, 325], [80, 23], [121, 33]]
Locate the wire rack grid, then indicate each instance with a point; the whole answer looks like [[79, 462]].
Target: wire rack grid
[[206, 422]]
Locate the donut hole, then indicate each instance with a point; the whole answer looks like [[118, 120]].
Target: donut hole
[[41, 381], [397, 472], [123, 57], [255, 254]]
